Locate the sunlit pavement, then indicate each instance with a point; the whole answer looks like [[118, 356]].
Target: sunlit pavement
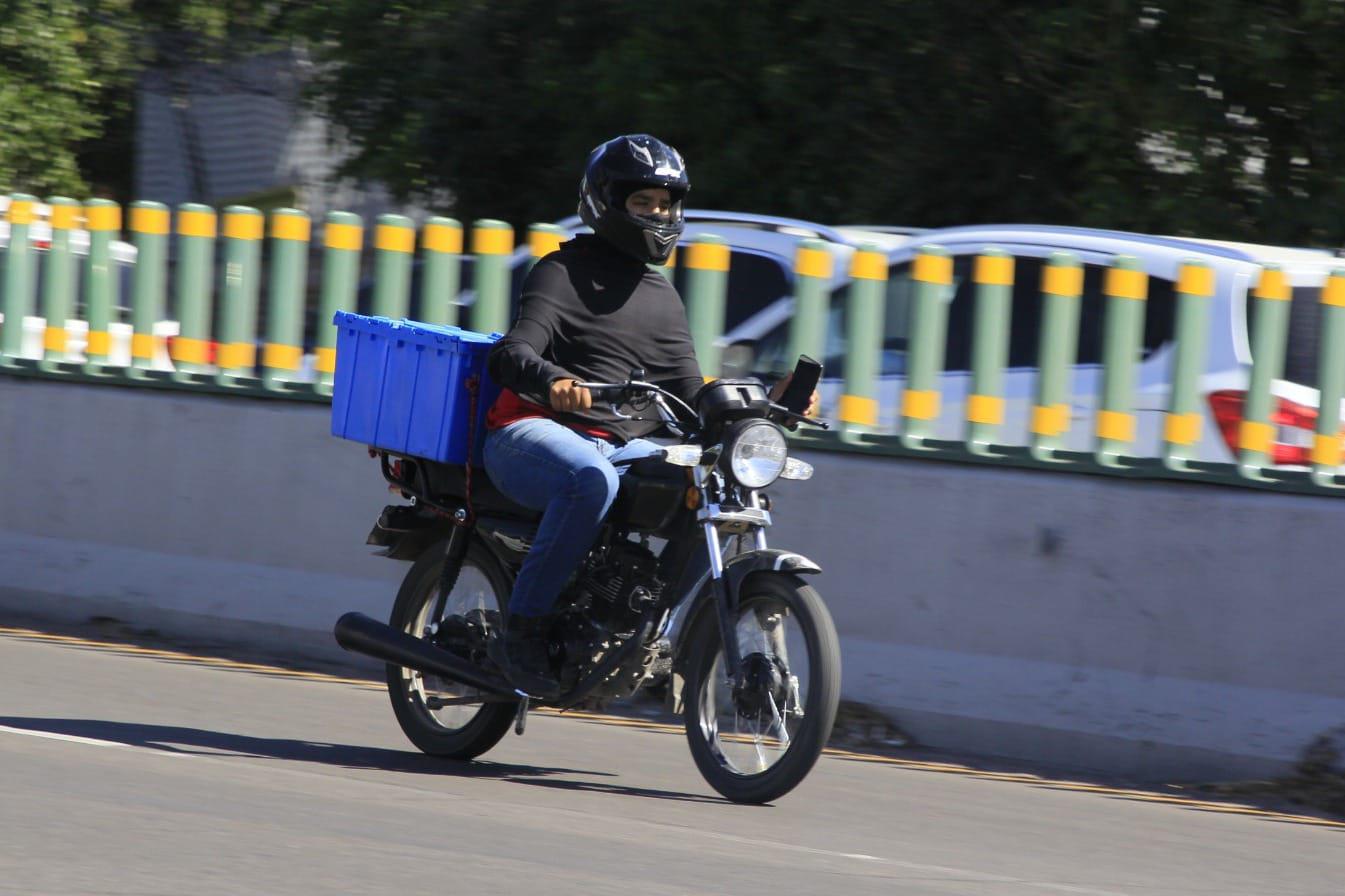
[[144, 770]]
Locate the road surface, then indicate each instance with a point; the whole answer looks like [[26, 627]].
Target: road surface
[[128, 770]]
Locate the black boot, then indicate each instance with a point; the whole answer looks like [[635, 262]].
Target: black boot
[[522, 652]]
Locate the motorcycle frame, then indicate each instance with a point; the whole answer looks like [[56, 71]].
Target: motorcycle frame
[[717, 591]]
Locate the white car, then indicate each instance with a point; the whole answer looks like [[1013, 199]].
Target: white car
[[77, 327], [1236, 268], [761, 256]]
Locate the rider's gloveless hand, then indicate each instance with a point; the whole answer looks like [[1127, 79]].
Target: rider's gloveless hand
[[568, 396], [814, 400]]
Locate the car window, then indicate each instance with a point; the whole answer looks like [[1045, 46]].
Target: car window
[[755, 281], [1025, 318], [1160, 315], [1304, 336], [771, 349], [79, 310], [896, 319], [1025, 324]]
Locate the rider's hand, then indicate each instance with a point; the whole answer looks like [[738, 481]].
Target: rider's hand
[[814, 400], [567, 395], [814, 405]]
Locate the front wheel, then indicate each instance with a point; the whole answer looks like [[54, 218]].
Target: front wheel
[[755, 738], [443, 717]]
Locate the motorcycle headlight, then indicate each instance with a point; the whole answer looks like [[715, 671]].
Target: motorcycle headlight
[[757, 454]]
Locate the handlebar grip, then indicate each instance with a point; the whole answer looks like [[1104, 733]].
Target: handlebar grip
[[612, 394]]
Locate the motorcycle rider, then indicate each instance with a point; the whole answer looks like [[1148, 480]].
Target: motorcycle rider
[[592, 311]]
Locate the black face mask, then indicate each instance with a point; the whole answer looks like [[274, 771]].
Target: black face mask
[[646, 238]]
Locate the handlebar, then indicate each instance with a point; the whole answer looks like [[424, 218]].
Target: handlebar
[[623, 393], [675, 414], [629, 391], [615, 393], [795, 417]]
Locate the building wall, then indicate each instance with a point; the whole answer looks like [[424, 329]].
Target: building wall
[[220, 133]]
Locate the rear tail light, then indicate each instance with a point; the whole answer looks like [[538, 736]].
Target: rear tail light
[[1295, 426], [211, 348]]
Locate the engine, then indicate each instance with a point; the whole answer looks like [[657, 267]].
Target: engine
[[618, 582]]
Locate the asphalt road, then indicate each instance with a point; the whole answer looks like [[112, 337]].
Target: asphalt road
[[131, 771]]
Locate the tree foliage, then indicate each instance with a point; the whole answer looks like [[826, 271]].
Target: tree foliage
[[1212, 117], [68, 70], [56, 59], [1209, 117]]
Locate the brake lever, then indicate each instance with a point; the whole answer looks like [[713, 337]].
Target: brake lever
[[613, 403], [792, 417]]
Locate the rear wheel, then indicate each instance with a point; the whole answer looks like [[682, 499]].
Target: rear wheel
[[754, 741], [440, 716]]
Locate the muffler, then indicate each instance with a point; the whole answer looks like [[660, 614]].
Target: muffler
[[360, 634]]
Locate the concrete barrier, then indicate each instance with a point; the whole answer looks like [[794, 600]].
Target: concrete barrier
[[1157, 629], [228, 516], [1151, 628]]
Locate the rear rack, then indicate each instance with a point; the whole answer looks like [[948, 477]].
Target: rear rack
[[407, 474]]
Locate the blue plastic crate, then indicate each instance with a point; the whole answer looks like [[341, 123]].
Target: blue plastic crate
[[403, 386]]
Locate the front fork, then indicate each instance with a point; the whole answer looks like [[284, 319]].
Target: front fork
[[726, 602], [725, 605]]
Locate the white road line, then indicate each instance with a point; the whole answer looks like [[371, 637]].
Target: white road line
[[960, 873], [942, 870], [93, 742]]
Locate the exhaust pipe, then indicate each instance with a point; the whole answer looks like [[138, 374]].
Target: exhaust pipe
[[360, 634]]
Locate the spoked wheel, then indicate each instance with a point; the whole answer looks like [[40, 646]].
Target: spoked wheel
[[440, 716], [755, 739]]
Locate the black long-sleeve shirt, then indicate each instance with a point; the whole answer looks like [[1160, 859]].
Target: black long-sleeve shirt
[[593, 313]]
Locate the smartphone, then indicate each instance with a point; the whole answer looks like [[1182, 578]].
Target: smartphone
[[807, 373]]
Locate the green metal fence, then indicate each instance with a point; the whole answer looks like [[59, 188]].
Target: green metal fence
[[254, 318]]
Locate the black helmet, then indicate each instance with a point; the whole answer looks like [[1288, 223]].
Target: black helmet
[[618, 168]]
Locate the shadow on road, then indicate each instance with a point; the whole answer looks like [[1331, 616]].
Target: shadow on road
[[200, 742]]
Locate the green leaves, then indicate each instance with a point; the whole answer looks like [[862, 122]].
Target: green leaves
[[54, 60], [899, 111], [1209, 117]]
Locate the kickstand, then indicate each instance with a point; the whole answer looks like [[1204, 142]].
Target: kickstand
[[521, 719]]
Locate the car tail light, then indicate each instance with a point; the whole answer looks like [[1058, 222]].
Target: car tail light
[[211, 348], [1295, 426]]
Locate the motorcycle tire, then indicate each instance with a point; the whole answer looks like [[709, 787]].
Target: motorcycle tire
[[707, 694], [453, 732]]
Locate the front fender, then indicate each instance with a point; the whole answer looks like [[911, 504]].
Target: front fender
[[736, 572], [700, 612], [769, 560]]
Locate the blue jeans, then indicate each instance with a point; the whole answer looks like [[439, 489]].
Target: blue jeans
[[567, 475]]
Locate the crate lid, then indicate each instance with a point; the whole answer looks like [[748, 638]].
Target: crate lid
[[446, 332], [485, 338], [363, 322], [412, 330]]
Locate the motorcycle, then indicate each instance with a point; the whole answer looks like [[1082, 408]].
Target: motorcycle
[[746, 652]]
